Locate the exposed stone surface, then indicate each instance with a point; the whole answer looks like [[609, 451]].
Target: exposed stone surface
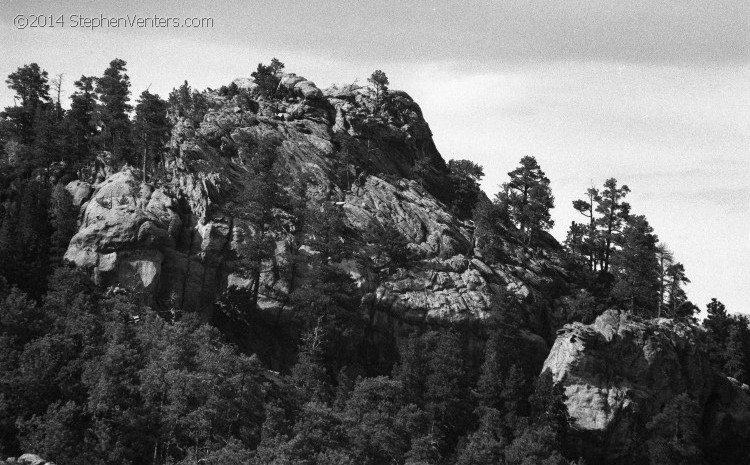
[[123, 229], [25, 459], [308, 90], [80, 191], [31, 459], [620, 371], [245, 83], [177, 242]]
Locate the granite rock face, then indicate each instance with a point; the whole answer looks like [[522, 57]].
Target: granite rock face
[[620, 371], [177, 242]]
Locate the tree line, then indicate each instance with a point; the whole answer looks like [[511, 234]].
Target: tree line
[[617, 258], [37, 132]]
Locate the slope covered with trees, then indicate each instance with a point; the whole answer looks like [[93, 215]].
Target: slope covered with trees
[[270, 273]]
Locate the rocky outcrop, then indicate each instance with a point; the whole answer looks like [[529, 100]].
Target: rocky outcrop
[[176, 242], [125, 226], [25, 459], [620, 371]]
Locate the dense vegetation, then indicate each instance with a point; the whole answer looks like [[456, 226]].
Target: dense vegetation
[[89, 376]]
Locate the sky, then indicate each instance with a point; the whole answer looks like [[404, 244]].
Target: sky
[[653, 93]]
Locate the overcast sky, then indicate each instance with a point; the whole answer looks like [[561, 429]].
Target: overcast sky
[[654, 93]]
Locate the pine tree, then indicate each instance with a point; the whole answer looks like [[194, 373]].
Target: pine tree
[[613, 213], [465, 176], [489, 222], [151, 128], [113, 90], [486, 445], [490, 384], [378, 421], [717, 324], [575, 242], [411, 369], [268, 76], [548, 406], [80, 119], [735, 354], [666, 259], [674, 433], [536, 445], [309, 374], [589, 243], [379, 81], [188, 103], [31, 85], [446, 392], [636, 267], [254, 209], [676, 296], [528, 198]]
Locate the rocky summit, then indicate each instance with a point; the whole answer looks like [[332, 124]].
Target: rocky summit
[[178, 241]]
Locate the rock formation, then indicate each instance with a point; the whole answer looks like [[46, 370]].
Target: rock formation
[[620, 371], [176, 241]]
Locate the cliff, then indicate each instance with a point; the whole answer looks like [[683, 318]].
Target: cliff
[[176, 241], [620, 371]]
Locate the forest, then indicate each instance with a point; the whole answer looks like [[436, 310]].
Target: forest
[[91, 375]]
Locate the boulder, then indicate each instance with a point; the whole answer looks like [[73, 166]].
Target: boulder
[[31, 459], [80, 191], [245, 83], [124, 228], [308, 90], [290, 80]]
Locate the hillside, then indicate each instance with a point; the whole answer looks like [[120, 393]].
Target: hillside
[[292, 275]]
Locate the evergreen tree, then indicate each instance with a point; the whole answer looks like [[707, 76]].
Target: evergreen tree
[[489, 224], [535, 446], [188, 103], [589, 243], [548, 406], [636, 267], [674, 433], [490, 383], [268, 76], [113, 90], [575, 242], [255, 208], [717, 324], [379, 423], [80, 119], [613, 213], [379, 81], [309, 373], [446, 391], [528, 198], [666, 259], [411, 369], [486, 445], [735, 353], [465, 176], [151, 128], [31, 85], [676, 297]]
